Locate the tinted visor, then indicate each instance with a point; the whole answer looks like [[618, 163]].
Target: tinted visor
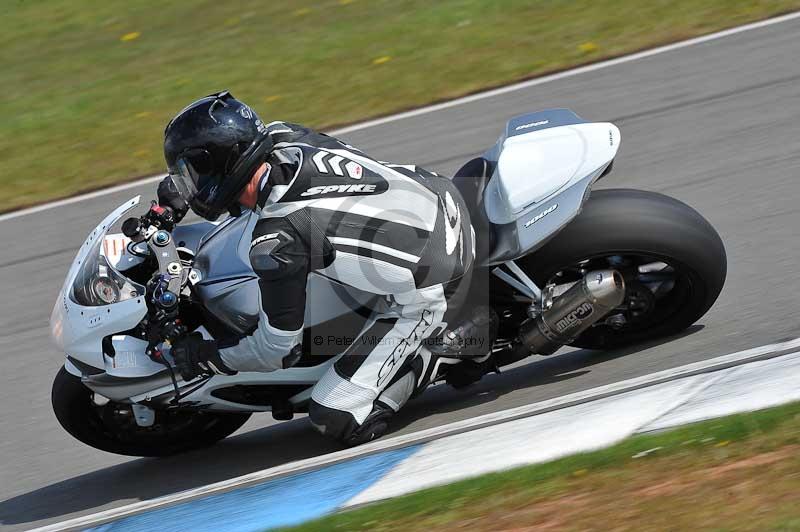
[[198, 183]]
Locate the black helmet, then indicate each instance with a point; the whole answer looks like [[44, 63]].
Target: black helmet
[[212, 149]]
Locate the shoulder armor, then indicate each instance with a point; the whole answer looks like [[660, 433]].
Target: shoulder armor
[[276, 249]]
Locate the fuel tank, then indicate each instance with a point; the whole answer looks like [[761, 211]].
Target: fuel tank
[[228, 286]]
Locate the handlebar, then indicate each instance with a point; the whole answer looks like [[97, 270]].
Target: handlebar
[[164, 288], [157, 216]]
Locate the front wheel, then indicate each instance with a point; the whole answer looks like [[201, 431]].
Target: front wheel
[[673, 261], [111, 427]]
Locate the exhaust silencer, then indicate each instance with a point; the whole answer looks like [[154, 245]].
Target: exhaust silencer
[[591, 298]]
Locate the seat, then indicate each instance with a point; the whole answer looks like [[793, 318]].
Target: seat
[[471, 180]]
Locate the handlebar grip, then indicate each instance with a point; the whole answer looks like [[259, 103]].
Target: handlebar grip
[[132, 228], [161, 216]]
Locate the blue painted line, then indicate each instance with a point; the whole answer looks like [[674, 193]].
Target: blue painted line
[[285, 501]]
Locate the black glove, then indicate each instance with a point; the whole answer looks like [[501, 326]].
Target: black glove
[[196, 356], [168, 196]]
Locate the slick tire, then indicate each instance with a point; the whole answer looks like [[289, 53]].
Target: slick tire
[[110, 426], [623, 222]]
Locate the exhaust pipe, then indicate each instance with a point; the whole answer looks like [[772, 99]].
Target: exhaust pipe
[[586, 302]]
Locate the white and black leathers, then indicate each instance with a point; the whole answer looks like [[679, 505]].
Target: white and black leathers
[[393, 230]]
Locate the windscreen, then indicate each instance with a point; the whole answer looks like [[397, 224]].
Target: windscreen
[[98, 283]]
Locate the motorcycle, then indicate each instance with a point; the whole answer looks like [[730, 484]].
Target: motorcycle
[[565, 266]]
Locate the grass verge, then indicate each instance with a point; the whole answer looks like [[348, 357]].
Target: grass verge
[[90, 85], [736, 473]]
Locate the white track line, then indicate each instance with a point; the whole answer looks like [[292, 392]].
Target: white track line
[[705, 366], [452, 103], [76, 199]]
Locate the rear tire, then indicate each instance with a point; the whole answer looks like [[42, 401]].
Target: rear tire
[[623, 222], [109, 429]]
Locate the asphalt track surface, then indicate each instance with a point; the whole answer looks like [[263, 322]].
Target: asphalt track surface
[[714, 124]]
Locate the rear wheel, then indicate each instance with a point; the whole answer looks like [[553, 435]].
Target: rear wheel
[[111, 427], [673, 261]]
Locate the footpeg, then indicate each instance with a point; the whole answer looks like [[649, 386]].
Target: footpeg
[[282, 411], [471, 339], [144, 415], [468, 372]]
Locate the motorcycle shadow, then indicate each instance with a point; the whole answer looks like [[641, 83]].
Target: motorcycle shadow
[[148, 478]]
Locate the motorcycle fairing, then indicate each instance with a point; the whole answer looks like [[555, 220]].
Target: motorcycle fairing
[[129, 383], [79, 330], [202, 393], [544, 166]]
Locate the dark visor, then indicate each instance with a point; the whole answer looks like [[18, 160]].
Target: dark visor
[[195, 179]]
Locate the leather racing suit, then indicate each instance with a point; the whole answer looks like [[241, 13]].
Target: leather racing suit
[[394, 230]]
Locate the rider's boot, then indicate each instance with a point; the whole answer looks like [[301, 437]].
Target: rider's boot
[[388, 403], [471, 342], [343, 426]]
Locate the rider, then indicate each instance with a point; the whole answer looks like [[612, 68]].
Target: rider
[[397, 231]]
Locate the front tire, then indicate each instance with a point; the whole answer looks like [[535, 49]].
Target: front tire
[[619, 227], [110, 427]]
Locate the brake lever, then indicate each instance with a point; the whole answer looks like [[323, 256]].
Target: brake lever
[[168, 332]]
